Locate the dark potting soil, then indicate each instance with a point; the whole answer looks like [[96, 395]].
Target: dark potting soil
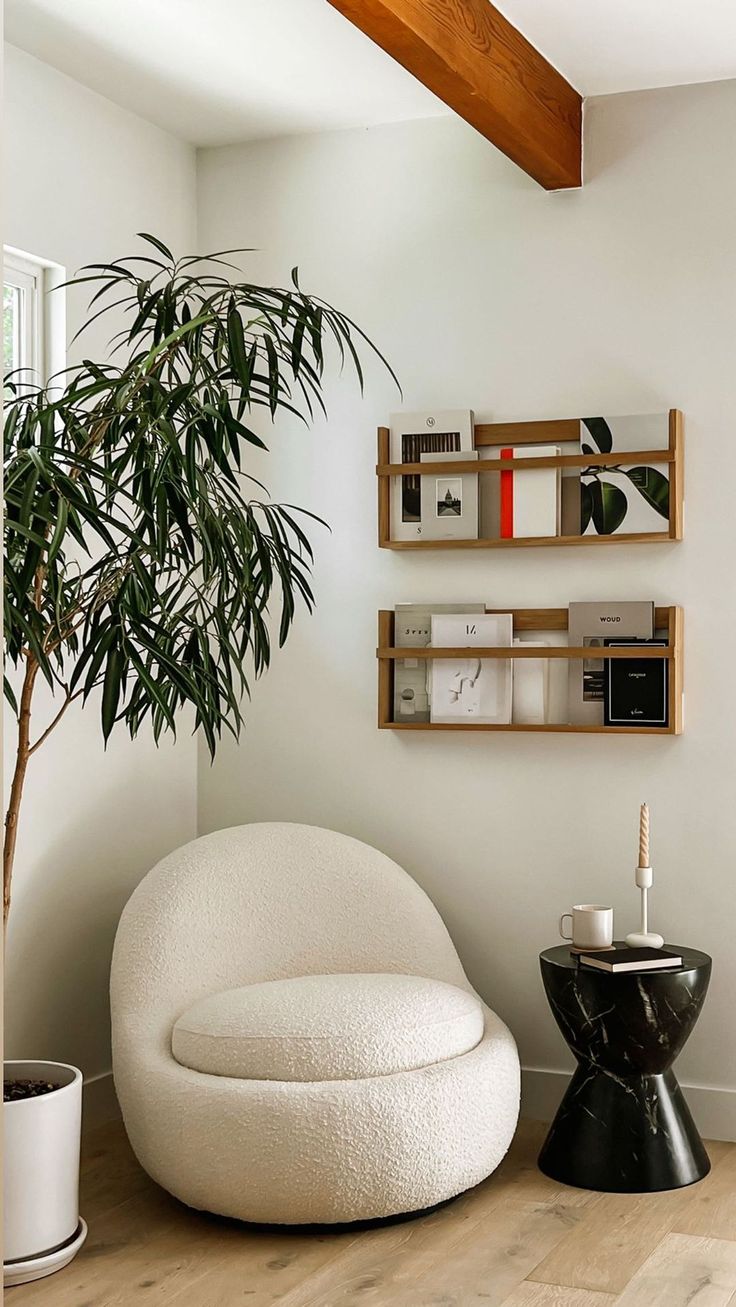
[[15, 1090]]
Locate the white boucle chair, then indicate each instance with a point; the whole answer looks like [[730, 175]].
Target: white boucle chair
[[294, 1038]]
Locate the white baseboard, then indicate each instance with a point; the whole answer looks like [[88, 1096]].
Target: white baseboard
[[99, 1102], [714, 1110]]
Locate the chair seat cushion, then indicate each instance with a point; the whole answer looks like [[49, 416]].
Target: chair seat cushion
[[337, 1027]]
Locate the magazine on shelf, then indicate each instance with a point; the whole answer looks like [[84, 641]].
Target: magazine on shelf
[[413, 629], [591, 624], [636, 688], [439, 431], [633, 498], [473, 689]]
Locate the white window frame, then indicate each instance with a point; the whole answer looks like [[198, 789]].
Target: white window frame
[[27, 278], [42, 344]]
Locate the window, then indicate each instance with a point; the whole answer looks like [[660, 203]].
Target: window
[[33, 320]]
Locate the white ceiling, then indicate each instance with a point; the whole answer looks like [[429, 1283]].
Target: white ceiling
[[219, 71]]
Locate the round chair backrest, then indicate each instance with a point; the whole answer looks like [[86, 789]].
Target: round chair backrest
[[267, 902]]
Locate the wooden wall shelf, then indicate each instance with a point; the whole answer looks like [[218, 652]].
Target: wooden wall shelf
[[668, 619], [564, 430]]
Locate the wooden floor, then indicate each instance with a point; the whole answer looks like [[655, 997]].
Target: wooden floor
[[519, 1240]]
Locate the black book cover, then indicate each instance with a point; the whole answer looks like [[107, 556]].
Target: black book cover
[[635, 689], [631, 959]]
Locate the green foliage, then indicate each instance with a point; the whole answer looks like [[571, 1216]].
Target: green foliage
[[140, 554]]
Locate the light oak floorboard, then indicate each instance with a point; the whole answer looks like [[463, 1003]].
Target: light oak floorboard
[[519, 1177], [530, 1294], [110, 1172], [616, 1234], [482, 1268], [493, 1247], [686, 1270], [369, 1269], [261, 1271], [713, 1207]]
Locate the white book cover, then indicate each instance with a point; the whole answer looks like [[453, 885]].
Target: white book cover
[[530, 500], [471, 689], [439, 431], [531, 686]]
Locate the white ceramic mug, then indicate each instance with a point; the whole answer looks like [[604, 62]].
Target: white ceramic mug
[[592, 926]]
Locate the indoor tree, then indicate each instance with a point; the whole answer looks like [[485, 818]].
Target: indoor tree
[[140, 554]]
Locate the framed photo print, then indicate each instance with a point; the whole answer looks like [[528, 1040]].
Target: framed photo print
[[436, 432]]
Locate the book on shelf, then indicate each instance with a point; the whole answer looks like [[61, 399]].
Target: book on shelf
[[630, 959], [635, 689], [436, 432], [413, 629], [590, 625], [510, 502], [631, 498], [531, 686], [530, 500], [449, 503], [472, 689]]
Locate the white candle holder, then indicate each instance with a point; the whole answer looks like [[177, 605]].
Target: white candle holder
[[644, 938]]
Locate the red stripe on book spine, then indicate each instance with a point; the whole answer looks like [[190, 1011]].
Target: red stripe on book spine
[[507, 499]]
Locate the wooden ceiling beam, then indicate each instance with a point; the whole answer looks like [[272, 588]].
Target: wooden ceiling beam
[[473, 59]]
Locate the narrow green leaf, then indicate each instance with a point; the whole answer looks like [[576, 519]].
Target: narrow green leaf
[[10, 696], [111, 688], [57, 538], [153, 240]]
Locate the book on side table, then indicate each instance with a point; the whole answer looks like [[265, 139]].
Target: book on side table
[[631, 959]]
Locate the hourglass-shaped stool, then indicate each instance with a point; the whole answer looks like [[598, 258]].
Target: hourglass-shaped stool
[[623, 1125]]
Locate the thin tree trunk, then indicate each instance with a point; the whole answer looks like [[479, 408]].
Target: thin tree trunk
[[19, 775]]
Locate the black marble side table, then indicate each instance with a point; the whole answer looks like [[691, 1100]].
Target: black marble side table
[[623, 1125]]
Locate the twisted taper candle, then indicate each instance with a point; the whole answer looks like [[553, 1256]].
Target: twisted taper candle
[[644, 836]]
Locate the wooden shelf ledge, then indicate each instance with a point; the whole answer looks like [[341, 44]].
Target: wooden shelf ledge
[[553, 728], [458, 467], [429, 653], [666, 619], [526, 542]]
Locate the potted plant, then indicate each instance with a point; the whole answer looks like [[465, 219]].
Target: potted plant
[[141, 562]]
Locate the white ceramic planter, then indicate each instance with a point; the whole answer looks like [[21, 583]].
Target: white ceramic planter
[[41, 1171]]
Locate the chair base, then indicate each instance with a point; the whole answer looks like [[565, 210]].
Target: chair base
[[339, 1227]]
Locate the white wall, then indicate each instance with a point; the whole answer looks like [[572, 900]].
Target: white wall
[[488, 293], [81, 178]]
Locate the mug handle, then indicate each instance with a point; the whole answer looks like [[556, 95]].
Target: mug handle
[[562, 933]]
